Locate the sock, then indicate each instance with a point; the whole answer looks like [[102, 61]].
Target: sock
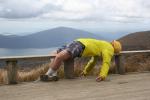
[[50, 72], [55, 73]]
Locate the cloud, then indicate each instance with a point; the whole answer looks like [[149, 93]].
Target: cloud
[[77, 10], [13, 9]]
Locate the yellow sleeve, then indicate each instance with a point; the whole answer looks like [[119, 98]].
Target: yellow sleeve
[[106, 56], [90, 65]]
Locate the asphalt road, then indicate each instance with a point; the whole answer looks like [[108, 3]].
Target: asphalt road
[[116, 87]]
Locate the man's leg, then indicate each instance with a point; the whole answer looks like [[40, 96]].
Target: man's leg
[[61, 56]]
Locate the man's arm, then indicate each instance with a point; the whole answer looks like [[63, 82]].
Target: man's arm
[[106, 56], [90, 65]]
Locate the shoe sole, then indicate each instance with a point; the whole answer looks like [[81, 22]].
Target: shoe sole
[[46, 78]]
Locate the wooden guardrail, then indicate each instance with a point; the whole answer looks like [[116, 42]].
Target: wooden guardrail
[[12, 67], [119, 59]]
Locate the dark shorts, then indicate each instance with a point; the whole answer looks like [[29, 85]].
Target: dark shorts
[[75, 48]]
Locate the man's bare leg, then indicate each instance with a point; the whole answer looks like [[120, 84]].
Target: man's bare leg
[[61, 56]]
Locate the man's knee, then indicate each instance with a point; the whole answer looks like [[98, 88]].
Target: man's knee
[[64, 55], [59, 57]]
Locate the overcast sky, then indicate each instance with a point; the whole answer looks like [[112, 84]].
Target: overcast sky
[[107, 16]]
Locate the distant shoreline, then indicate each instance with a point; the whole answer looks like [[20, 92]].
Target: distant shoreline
[[25, 52]]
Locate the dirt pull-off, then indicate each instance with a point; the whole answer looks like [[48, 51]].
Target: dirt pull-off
[[116, 87]]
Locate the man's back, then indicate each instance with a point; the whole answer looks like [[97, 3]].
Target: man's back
[[95, 47]]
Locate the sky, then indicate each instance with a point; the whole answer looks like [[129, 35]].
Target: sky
[[24, 17]]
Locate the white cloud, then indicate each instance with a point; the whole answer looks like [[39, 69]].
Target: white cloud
[[77, 10], [24, 8]]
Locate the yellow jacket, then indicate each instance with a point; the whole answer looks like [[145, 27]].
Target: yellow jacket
[[96, 48]]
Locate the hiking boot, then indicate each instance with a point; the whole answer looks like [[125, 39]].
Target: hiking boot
[[47, 78]]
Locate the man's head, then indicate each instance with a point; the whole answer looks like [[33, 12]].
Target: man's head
[[117, 46]]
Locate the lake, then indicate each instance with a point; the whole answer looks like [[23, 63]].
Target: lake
[[25, 52]]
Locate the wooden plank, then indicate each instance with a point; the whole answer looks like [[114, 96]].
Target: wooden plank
[[52, 55], [135, 51], [27, 57]]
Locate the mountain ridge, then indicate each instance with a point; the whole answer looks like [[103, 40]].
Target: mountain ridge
[[45, 39], [136, 41]]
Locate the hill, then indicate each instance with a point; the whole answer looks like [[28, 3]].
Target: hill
[[136, 41], [45, 39], [138, 61]]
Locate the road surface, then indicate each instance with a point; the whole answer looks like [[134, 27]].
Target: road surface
[[117, 87]]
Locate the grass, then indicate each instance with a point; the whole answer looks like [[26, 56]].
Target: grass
[[137, 63], [24, 76], [33, 74]]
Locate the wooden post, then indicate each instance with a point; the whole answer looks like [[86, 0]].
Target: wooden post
[[69, 69], [120, 69], [12, 72]]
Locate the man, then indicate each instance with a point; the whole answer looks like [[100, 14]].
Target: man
[[85, 47]]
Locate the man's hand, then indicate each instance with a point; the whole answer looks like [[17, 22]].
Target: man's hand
[[99, 79], [82, 74]]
